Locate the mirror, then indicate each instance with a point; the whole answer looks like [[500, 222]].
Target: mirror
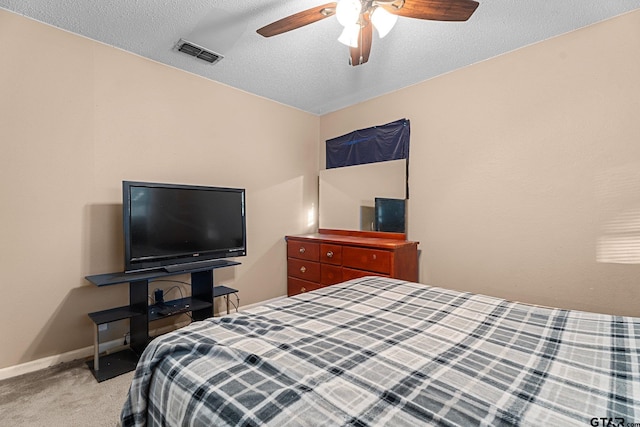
[[348, 195]]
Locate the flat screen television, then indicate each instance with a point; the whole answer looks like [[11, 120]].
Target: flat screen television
[[390, 215], [175, 227]]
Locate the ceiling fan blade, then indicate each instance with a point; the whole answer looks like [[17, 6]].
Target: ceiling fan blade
[[298, 20], [359, 55], [435, 10]]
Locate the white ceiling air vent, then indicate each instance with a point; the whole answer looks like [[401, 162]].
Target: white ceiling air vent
[[198, 51]]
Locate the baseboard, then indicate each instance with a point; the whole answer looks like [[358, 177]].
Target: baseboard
[[258, 304], [45, 362], [86, 352]]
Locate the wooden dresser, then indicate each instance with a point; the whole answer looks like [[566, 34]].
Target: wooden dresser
[[333, 256]]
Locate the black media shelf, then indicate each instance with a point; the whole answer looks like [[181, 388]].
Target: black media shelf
[[178, 306], [220, 291], [122, 277], [114, 314], [114, 364], [140, 313]]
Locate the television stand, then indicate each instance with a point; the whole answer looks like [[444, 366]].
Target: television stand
[[140, 312], [186, 267]]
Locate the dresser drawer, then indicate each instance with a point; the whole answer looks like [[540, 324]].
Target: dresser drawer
[[303, 250], [349, 273], [330, 254], [297, 286], [330, 274], [303, 269], [367, 259]]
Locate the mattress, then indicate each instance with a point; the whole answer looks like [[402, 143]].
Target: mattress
[[378, 351]]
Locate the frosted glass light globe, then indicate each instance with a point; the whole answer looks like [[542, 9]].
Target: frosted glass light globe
[[348, 12], [350, 35], [383, 21]]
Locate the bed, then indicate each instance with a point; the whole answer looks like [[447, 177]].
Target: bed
[[378, 351]]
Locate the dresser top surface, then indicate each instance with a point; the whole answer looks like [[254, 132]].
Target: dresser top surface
[[355, 240]]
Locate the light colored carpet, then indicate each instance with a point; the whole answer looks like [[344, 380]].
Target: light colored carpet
[[63, 395]]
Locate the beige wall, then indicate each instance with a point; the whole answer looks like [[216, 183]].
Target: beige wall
[[525, 170], [77, 118]]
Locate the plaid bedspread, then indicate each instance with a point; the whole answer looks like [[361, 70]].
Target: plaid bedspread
[[377, 351]]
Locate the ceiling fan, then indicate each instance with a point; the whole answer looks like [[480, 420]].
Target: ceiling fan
[[360, 16]]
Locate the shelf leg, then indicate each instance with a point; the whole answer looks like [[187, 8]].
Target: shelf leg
[[227, 298], [96, 348]]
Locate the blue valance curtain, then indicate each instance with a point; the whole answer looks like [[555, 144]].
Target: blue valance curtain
[[374, 144]]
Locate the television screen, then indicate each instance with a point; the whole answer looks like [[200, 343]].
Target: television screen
[[168, 225], [389, 215]]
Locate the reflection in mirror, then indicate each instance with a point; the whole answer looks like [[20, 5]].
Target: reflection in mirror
[[390, 215], [348, 194]]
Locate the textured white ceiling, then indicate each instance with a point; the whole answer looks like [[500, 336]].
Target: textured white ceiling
[[308, 68]]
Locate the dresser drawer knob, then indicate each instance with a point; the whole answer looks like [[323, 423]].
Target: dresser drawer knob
[[303, 269], [374, 256], [303, 289], [302, 249], [330, 254]]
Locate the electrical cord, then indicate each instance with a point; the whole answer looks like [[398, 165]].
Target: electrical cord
[[165, 292], [237, 305], [175, 287], [179, 288]]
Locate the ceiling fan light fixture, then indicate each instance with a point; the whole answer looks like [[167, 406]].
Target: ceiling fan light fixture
[[383, 21], [348, 12], [350, 35]]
